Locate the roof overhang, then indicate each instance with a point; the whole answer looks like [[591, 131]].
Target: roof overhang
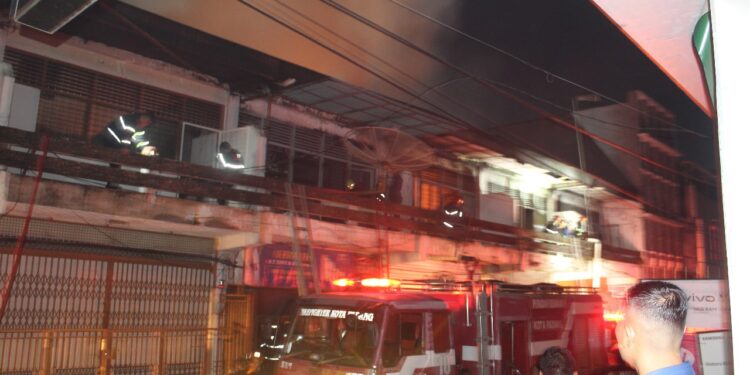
[[663, 30]]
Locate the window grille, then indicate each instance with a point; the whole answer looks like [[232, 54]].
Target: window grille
[[313, 157], [334, 147], [78, 102], [307, 140], [279, 133], [494, 188]]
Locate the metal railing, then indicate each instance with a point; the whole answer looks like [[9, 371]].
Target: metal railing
[[77, 160], [114, 351]]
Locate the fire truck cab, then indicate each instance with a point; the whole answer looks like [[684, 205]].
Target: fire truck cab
[[481, 328]]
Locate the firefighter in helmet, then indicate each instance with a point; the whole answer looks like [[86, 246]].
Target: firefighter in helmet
[[128, 134], [453, 212], [228, 157]]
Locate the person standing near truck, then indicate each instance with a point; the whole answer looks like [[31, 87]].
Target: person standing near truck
[[556, 361], [650, 334]]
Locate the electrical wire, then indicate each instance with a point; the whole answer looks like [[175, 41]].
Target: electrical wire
[[534, 108], [378, 74], [392, 82], [485, 83], [538, 149], [381, 75], [386, 79], [23, 174], [161, 260], [84, 181], [546, 72]]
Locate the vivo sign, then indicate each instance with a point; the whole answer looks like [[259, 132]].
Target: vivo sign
[[708, 303]]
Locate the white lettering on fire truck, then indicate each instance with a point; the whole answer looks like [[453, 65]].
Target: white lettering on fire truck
[[337, 314], [367, 317], [547, 303], [544, 325]]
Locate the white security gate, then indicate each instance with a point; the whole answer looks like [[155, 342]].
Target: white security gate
[[76, 315]]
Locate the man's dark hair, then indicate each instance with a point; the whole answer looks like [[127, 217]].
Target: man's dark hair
[[661, 301], [556, 361]]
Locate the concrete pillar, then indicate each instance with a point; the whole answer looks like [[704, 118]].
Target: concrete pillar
[[4, 187], [232, 112], [7, 81], [407, 189], [700, 249]]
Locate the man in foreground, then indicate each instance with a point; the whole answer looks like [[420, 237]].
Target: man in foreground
[[650, 335]]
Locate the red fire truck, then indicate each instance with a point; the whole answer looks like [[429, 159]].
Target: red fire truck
[[486, 327]]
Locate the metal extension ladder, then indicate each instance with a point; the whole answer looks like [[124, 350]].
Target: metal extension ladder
[[292, 193]]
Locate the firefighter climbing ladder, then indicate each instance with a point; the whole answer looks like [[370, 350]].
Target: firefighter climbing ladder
[[292, 193]]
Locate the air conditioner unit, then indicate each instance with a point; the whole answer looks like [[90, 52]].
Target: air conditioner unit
[[249, 141], [48, 15]]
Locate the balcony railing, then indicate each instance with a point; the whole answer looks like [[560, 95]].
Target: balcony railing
[[76, 159]]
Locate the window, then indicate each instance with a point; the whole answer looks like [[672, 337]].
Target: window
[[391, 342], [403, 337], [311, 157], [363, 177], [277, 162], [334, 173], [306, 169], [441, 332], [431, 195], [341, 340], [78, 102], [411, 334], [437, 187]]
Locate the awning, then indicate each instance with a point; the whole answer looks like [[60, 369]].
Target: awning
[[663, 30]]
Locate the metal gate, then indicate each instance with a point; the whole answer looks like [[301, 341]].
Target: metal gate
[[72, 315], [238, 332]]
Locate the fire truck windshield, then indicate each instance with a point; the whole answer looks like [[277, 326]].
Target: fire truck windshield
[[338, 336]]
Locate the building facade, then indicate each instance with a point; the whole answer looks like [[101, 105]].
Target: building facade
[[159, 277]]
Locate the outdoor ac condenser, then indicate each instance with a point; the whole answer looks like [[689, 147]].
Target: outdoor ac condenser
[[48, 15], [251, 143]]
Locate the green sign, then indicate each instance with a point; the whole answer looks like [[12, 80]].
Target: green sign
[[704, 49]]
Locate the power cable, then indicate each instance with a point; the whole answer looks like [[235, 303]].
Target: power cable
[[532, 107], [22, 174], [539, 69], [344, 56], [385, 79]]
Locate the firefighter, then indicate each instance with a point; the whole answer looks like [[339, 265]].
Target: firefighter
[[228, 157], [453, 212], [127, 133]]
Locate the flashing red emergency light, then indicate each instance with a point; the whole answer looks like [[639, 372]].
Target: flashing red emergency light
[[616, 316], [369, 283], [343, 282], [380, 283]]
